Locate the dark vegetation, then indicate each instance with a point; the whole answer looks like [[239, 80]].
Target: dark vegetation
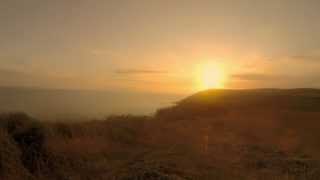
[[216, 134]]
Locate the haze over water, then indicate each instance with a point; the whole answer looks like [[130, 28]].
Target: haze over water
[[49, 104]]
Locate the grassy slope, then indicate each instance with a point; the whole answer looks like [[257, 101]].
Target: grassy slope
[[216, 134]]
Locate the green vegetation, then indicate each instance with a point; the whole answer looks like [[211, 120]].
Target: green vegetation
[[244, 134]]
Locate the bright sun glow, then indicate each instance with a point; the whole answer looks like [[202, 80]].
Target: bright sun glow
[[210, 75]]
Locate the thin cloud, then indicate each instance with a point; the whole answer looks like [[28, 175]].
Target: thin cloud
[[139, 71], [103, 53], [306, 57], [253, 77], [296, 57], [10, 77], [8, 74]]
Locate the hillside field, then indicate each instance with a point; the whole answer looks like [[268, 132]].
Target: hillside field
[[213, 135]]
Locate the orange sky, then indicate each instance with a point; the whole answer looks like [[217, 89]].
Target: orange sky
[[178, 46]]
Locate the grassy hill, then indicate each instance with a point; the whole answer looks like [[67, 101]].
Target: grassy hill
[[215, 134]]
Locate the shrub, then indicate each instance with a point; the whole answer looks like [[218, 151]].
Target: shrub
[[11, 166], [28, 136]]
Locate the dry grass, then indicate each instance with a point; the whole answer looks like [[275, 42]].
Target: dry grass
[[181, 142]]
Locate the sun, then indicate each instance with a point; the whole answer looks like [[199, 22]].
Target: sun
[[210, 75]]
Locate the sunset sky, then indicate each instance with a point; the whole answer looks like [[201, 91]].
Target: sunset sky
[[176, 46]]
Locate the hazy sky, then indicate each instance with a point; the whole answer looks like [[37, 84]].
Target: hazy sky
[[158, 45]]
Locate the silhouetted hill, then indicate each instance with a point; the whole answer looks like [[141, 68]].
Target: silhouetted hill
[[249, 98], [220, 102]]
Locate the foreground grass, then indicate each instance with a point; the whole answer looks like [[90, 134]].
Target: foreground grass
[[196, 140], [127, 147]]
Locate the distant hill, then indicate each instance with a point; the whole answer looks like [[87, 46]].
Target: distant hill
[[252, 96], [217, 101]]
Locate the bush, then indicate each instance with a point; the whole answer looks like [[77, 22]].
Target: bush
[[29, 138], [11, 166]]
